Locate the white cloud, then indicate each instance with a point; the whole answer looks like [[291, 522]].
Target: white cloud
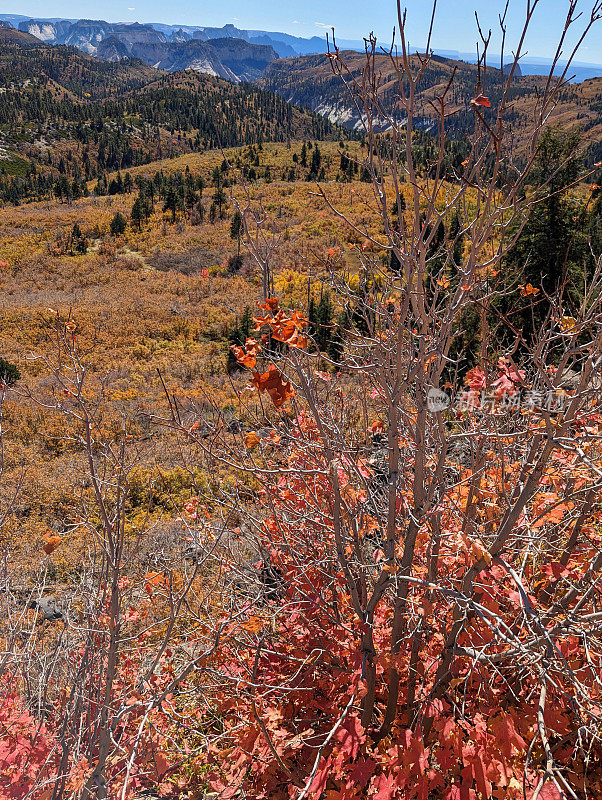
[[322, 25], [131, 9], [296, 22]]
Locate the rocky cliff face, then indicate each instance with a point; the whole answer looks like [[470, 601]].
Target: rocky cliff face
[[180, 36], [45, 30], [112, 49], [309, 81], [88, 34], [232, 59]]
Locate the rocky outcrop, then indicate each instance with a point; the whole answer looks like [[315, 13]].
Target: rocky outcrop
[[45, 30], [232, 59], [88, 34]]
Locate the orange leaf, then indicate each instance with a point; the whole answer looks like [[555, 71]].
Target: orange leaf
[[272, 383], [253, 624], [476, 549], [481, 100], [244, 358], [152, 579], [568, 323], [252, 440], [528, 289], [271, 304], [52, 541]]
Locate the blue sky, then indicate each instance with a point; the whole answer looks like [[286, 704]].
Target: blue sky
[[454, 29]]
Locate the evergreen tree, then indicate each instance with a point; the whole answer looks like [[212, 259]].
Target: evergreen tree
[[62, 189], [171, 203], [238, 335], [9, 373], [137, 214], [118, 224], [316, 162], [78, 243], [303, 159], [236, 228], [551, 251], [322, 328], [220, 199]]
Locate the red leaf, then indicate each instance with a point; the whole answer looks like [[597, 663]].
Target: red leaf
[[362, 771], [508, 739], [351, 735], [387, 786], [319, 782]]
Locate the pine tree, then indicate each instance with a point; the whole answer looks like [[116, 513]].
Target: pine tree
[[303, 159], [118, 224], [78, 243], [551, 251], [220, 199], [236, 228], [171, 203], [137, 213], [238, 335]]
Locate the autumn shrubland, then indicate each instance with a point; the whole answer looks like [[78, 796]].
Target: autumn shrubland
[[300, 467]]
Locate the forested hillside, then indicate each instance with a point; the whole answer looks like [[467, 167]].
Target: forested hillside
[[309, 81], [59, 112]]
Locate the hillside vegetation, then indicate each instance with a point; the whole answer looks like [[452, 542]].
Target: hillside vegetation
[[300, 442], [309, 81], [59, 107]]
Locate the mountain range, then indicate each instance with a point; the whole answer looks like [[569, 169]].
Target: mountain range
[[87, 35], [234, 59]]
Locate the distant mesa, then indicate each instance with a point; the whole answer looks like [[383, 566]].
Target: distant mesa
[[232, 59]]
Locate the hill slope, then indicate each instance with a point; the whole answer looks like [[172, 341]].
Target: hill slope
[[26, 60], [310, 82], [11, 39], [63, 112]]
